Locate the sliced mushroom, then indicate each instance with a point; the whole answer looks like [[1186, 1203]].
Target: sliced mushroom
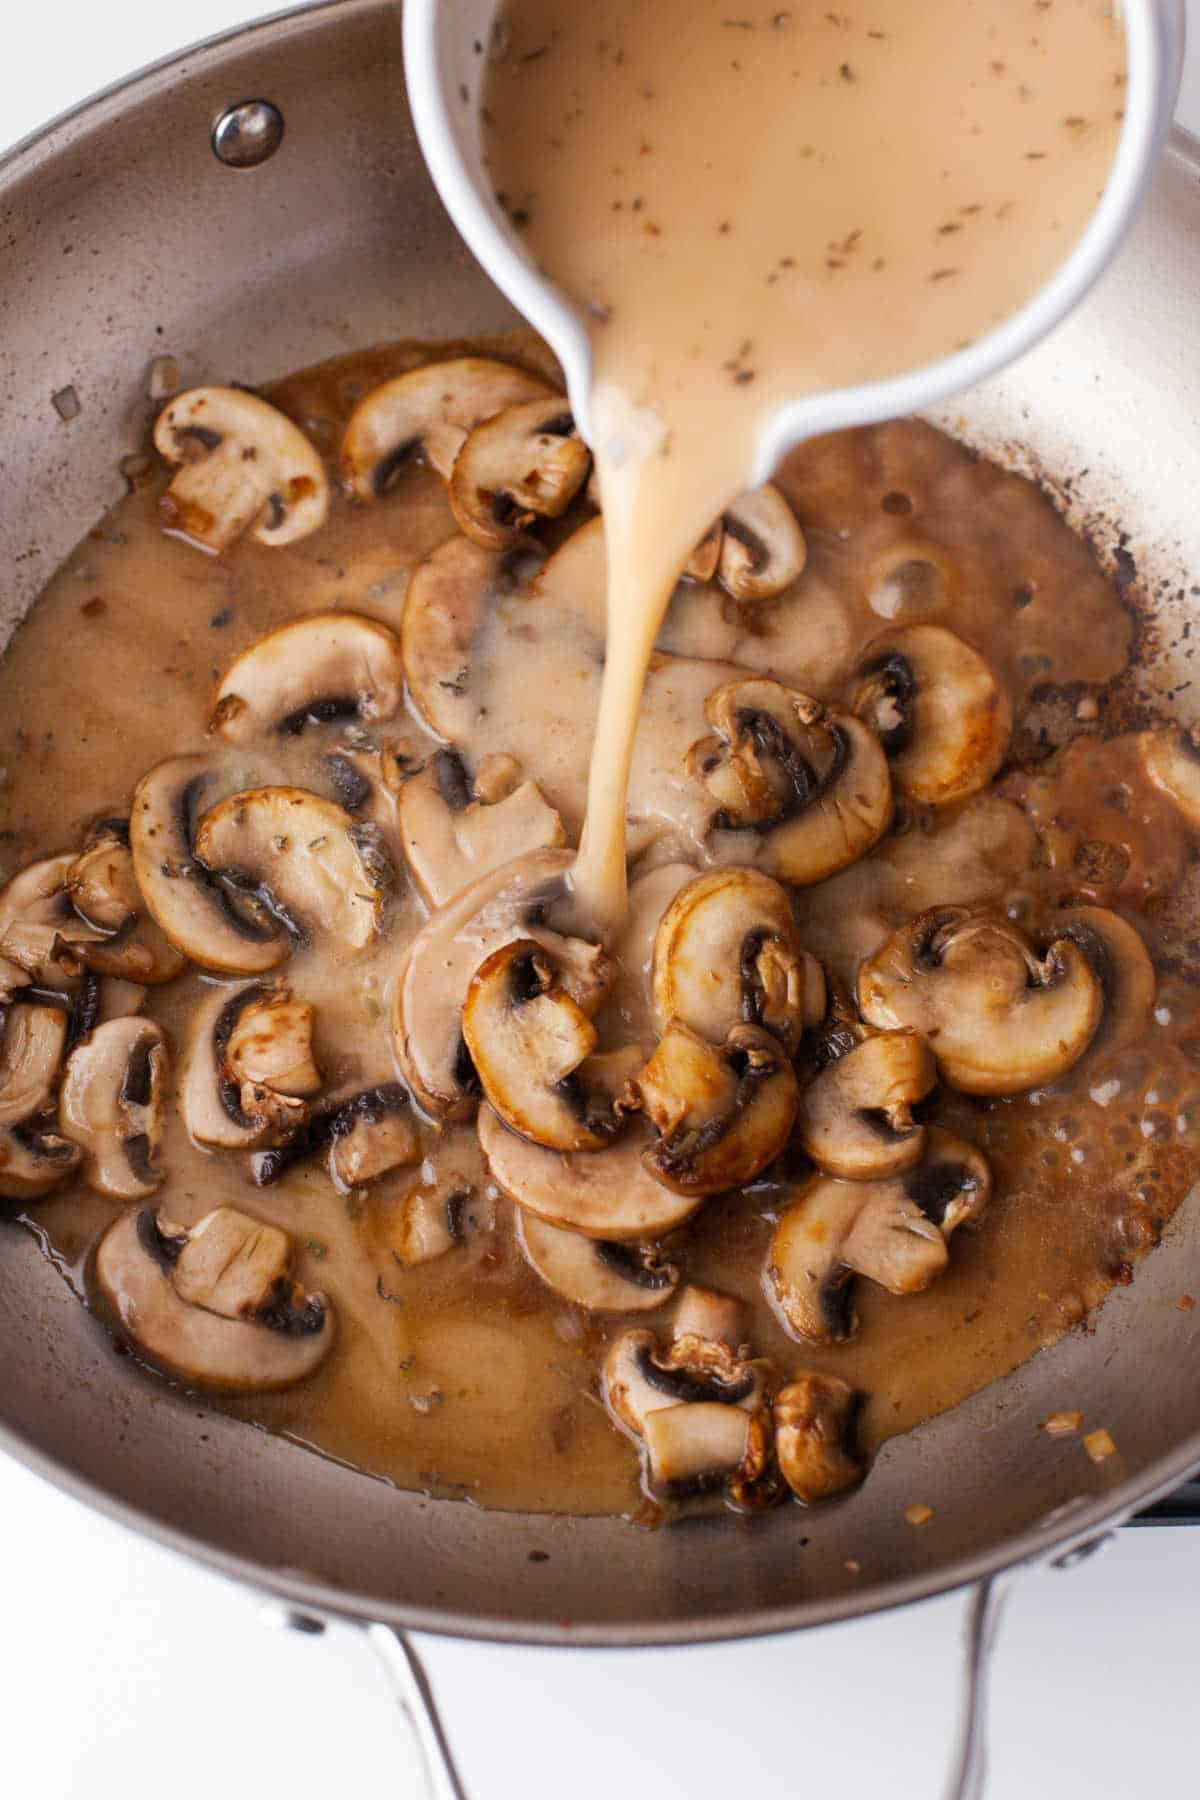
[[722, 1114], [938, 710], [702, 564], [365, 1134], [527, 1037], [102, 887], [111, 1105], [241, 466], [40, 932], [429, 1225], [220, 1108], [326, 666], [811, 785], [428, 410], [244, 1325], [440, 1204], [697, 1411], [601, 1276], [608, 1194], [33, 1162], [302, 857], [449, 596], [1121, 961], [727, 952], [763, 549], [999, 1018], [31, 1050], [194, 913], [431, 984], [704, 1313], [270, 1045], [855, 1118], [451, 835], [893, 1232], [527, 462], [1170, 756], [816, 1436], [373, 1136]]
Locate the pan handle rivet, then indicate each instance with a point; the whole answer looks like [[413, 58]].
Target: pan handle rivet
[[246, 135]]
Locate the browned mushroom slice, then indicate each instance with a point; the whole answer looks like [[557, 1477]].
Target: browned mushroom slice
[[527, 462], [893, 1232], [527, 1038], [111, 1105], [722, 1114], [364, 1135], [1170, 756], [1121, 961], [727, 952], [193, 912], [763, 549], [241, 466], [999, 1018], [431, 983], [123, 940], [816, 1436], [325, 666], [704, 1313], [303, 857], [698, 1412], [213, 1304], [449, 597], [41, 934], [438, 1206], [451, 835], [603, 1277], [802, 792], [855, 1118], [702, 564], [31, 1051], [607, 1194], [938, 710], [222, 1107], [428, 411], [34, 1162]]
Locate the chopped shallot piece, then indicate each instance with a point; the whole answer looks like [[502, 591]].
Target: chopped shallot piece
[[1099, 1446], [918, 1514], [1062, 1424]]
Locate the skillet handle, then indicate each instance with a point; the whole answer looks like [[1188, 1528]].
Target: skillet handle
[[414, 1690], [968, 1774]]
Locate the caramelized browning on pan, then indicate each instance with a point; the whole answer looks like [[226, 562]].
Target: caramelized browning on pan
[[880, 1053]]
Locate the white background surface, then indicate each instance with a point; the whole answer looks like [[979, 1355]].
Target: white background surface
[[127, 1672]]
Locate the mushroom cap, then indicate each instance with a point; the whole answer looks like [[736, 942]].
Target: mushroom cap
[[31, 1051], [102, 887], [325, 666], [855, 1118], [450, 839], [811, 785], [999, 1019], [608, 1194], [604, 1277], [429, 409], [763, 549], [111, 1104], [1170, 756], [431, 983], [816, 1436], [242, 465], [526, 462], [893, 1232], [303, 856], [722, 1114], [939, 711], [527, 1037], [275, 1345], [1115, 950], [727, 952], [193, 913], [449, 597]]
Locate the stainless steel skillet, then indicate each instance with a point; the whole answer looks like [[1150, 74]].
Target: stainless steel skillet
[[121, 233]]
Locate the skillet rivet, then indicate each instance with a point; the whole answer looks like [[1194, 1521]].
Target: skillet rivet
[[246, 135]]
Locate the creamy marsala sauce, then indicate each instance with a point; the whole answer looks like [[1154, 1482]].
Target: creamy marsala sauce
[[751, 206]]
